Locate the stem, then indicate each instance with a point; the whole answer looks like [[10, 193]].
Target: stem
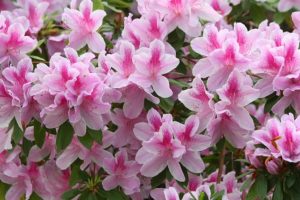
[[221, 161]]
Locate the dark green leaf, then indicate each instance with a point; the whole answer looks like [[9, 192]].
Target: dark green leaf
[[86, 140], [166, 104], [180, 84], [17, 134], [115, 195], [64, 136], [259, 189], [39, 133], [70, 194], [159, 179], [176, 39], [271, 101], [278, 193], [95, 134]]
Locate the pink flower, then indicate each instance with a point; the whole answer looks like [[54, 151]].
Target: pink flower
[[122, 63], [151, 64], [124, 134], [185, 14], [163, 150], [221, 63], [76, 150], [237, 93], [171, 194], [71, 91], [142, 31], [189, 136], [211, 40], [84, 25], [296, 21], [230, 186], [134, 97], [15, 44], [14, 92], [56, 44], [121, 172], [34, 11], [221, 6], [5, 139], [269, 136], [273, 165], [53, 186], [285, 5], [289, 144], [145, 131], [199, 100], [267, 68]]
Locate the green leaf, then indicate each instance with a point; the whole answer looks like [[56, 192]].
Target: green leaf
[[278, 193], [86, 140], [64, 136], [17, 134], [95, 134], [70, 194], [218, 195], [37, 58], [39, 133], [246, 184], [98, 5], [159, 179], [176, 39], [115, 195], [166, 104], [259, 189], [180, 84], [271, 101]]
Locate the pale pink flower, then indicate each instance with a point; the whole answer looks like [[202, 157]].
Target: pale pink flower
[[185, 14], [211, 40], [199, 100], [134, 97], [269, 135], [171, 194], [34, 11], [268, 66], [5, 139], [221, 6], [72, 91], [237, 93], [14, 92], [122, 63], [56, 44], [14, 44], [221, 63], [51, 182], [121, 172], [296, 21], [164, 151], [151, 64], [189, 136], [84, 25], [76, 150], [142, 31], [285, 5], [145, 131], [289, 144], [233, 120], [124, 134], [230, 186]]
